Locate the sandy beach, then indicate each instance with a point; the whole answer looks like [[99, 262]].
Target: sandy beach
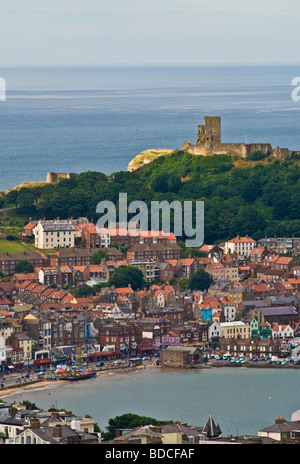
[[23, 387], [47, 383]]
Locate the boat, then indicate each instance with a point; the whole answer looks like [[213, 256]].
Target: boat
[[76, 373], [80, 376]]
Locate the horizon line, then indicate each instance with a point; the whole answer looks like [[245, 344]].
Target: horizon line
[[146, 65]]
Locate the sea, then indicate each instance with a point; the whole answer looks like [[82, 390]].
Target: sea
[[75, 119], [241, 400]]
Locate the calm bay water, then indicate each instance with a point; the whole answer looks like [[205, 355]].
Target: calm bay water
[[79, 119], [241, 400]]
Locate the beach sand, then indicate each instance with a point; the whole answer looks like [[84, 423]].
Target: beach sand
[[47, 383]]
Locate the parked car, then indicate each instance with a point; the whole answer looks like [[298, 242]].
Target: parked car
[[40, 370]]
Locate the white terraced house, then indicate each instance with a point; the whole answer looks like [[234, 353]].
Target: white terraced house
[[54, 234], [240, 245]]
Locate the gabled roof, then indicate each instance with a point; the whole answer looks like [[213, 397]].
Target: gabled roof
[[257, 250], [284, 260], [187, 261], [278, 310], [239, 239], [29, 226], [282, 427], [124, 290]]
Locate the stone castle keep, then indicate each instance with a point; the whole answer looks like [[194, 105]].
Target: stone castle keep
[[208, 142], [53, 177]]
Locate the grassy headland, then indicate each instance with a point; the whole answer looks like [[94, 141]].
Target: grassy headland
[[254, 197]]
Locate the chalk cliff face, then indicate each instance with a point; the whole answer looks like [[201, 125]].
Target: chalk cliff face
[[147, 157]]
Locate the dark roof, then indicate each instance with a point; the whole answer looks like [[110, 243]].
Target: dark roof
[[187, 349], [11, 420], [278, 310], [257, 303], [283, 427], [156, 431], [47, 434], [23, 255], [70, 252], [154, 247]]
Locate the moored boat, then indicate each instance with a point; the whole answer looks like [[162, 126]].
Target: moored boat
[[75, 373], [80, 376]]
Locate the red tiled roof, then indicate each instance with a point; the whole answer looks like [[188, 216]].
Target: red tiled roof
[[284, 260], [241, 240], [257, 250], [187, 261], [124, 290], [206, 247], [29, 226]]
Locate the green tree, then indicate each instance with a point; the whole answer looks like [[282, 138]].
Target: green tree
[[247, 221], [200, 280], [161, 183], [25, 200], [85, 291], [98, 256], [129, 421], [127, 275], [183, 284], [23, 267]]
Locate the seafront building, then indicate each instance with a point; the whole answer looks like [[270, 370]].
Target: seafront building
[[235, 329]]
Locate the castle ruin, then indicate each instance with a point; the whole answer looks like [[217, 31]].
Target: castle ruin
[[53, 177], [208, 142]]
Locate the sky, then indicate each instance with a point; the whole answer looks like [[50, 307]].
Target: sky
[[139, 32]]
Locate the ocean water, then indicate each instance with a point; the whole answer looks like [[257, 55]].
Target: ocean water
[[84, 118], [241, 400]]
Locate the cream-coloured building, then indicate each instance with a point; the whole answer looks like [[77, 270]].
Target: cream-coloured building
[[235, 329], [240, 245], [231, 273], [54, 234], [2, 351]]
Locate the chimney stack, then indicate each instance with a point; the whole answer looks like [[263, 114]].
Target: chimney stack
[[35, 423], [57, 431]]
